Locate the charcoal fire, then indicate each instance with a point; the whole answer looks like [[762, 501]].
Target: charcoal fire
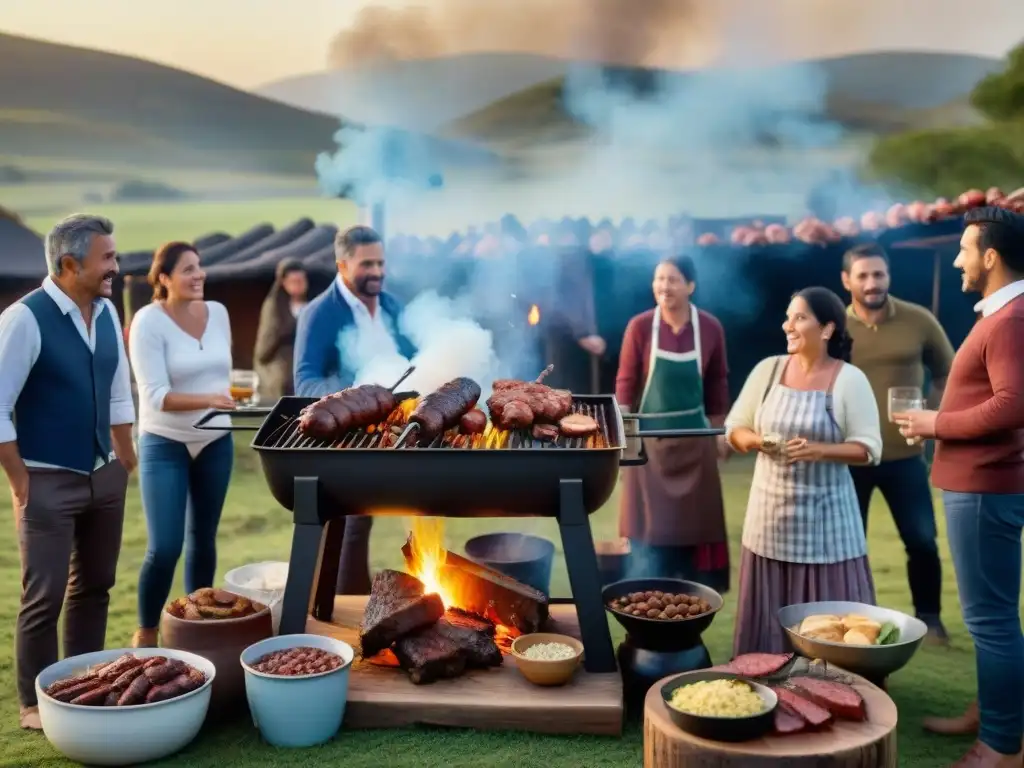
[[448, 614]]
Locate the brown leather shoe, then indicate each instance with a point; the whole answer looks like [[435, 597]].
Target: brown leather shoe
[[964, 725], [983, 756], [145, 638], [29, 719]]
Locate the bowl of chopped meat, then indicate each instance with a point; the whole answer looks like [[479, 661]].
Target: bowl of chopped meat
[[124, 706]]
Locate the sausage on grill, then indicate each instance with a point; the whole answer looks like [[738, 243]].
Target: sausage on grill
[[473, 422], [444, 408], [329, 418]]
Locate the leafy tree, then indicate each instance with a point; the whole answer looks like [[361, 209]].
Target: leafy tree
[[948, 161], [1000, 96]]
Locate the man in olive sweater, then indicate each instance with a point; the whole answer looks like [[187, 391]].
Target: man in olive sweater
[[979, 465], [895, 342]]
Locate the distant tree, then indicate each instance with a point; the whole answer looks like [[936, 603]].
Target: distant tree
[[948, 161], [12, 174], [1000, 96], [136, 190]]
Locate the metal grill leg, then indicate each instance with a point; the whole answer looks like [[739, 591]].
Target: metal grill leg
[[304, 563], [585, 578]]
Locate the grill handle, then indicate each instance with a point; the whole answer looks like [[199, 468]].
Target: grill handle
[[203, 422], [697, 432]]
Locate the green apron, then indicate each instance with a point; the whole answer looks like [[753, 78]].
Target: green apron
[[675, 500], [675, 384]]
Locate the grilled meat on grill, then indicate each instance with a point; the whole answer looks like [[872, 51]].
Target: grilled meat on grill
[[444, 408], [517, 405], [578, 425], [473, 422], [329, 418]]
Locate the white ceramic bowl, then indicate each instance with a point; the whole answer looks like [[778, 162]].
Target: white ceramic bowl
[[237, 580], [122, 735]]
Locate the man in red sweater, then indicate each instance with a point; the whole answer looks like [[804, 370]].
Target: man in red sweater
[[979, 465]]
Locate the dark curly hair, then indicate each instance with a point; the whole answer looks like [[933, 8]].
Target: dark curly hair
[[828, 308]]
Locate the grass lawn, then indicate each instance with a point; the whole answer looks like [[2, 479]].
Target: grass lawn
[[254, 528]]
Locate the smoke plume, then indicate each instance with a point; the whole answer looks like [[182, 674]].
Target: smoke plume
[[733, 138], [449, 344]]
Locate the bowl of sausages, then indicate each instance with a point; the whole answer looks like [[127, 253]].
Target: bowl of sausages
[[284, 674], [124, 706]]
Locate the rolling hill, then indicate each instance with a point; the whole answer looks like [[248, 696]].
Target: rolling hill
[[418, 95], [876, 92], [59, 101]]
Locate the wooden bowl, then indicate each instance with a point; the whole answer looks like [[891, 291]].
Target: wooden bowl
[[222, 642], [543, 672]]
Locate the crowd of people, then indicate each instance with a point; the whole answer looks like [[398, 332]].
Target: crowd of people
[[811, 415]]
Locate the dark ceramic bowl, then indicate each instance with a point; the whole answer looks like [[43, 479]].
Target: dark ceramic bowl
[[662, 634], [222, 642], [722, 728]]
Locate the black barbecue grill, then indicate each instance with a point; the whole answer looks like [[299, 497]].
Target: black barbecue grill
[[364, 474]]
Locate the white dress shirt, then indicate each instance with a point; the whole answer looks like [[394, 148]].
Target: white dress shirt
[[167, 359], [374, 338], [992, 304], [21, 343]]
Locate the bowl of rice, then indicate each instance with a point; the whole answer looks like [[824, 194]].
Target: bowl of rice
[[720, 706], [545, 658]]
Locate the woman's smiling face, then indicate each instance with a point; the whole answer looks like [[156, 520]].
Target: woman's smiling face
[[804, 334]]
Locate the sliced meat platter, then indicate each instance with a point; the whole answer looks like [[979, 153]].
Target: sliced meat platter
[[806, 701]]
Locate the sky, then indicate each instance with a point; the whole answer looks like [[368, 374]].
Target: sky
[[249, 43], [245, 43]]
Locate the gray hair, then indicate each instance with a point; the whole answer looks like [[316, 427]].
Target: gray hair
[[73, 237], [346, 242]]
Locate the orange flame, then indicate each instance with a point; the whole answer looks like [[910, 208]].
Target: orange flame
[[533, 316], [429, 555]]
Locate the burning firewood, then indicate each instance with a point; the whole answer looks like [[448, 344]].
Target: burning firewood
[[486, 592]]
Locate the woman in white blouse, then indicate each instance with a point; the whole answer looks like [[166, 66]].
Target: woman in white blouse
[[180, 347], [809, 414]]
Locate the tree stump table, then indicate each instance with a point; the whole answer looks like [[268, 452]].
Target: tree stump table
[[846, 744]]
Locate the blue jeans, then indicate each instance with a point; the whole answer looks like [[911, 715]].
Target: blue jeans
[[984, 538], [903, 484], [170, 479]]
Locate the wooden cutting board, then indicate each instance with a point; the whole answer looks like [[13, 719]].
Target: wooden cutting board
[[493, 699]]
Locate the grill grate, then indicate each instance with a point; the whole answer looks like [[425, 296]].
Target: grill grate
[[287, 436]]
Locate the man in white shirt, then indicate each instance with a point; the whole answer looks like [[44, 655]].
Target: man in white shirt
[[338, 332], [64, 379]]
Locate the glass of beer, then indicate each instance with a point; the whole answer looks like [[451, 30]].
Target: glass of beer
[[243, 387], [903, 399]]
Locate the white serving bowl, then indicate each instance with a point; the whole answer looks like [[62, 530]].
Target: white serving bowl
[[238, 580], [122, 735]]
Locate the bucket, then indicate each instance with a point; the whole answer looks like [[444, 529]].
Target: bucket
[[523, 557], [263, 582]]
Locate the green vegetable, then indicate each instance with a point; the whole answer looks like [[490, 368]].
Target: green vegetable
[[888, 635]]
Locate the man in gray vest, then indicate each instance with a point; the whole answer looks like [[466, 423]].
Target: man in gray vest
[[66, 416]]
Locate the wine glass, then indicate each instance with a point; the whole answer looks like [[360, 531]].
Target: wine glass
[[903, 399], [243, 387]]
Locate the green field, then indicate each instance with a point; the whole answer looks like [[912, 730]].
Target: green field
[[254, 528], [140, 226]]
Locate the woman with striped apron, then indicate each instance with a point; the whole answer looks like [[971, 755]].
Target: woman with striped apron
[[671, 508], [803, 540]]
